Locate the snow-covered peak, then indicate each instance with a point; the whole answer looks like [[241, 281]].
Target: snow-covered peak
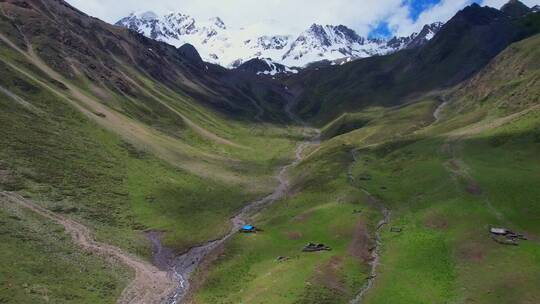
[[231, 47], [331, 43], [329, 34]]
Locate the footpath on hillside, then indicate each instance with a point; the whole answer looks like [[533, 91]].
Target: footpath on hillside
[[150, 285]]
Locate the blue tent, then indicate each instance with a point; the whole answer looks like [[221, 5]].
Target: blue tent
[[248, 228]]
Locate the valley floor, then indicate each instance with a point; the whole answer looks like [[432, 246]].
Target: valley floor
[[440, 192], [133, 196]]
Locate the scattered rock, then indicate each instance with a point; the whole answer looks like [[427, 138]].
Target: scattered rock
[[364, 177], [312, 247], [504, 240], [282, 258], [396, 229], [506, 237]]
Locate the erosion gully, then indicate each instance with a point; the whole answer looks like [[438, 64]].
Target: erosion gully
[[183, 266]]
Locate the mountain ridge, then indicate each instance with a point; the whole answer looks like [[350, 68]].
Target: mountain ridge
[[463, 45], [219, 44]]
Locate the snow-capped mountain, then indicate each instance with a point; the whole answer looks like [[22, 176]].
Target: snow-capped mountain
[[231, 47], [330, 43]]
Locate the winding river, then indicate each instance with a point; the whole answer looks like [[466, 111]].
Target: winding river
[[183, 266]]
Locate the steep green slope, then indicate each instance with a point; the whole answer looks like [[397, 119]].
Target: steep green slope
[[40, 265]]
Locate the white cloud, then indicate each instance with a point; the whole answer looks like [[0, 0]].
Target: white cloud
[[288, 16], [443, 11]]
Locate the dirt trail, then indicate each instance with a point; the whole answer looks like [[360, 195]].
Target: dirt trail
[[20, 101], [184, 265], [459, 169], [453, 146], [376, 252], [461, 172], [150, 284], [439, 109]]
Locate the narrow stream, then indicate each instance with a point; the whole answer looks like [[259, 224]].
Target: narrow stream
[[375, 253], [184, 265]]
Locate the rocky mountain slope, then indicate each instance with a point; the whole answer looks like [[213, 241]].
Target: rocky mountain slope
[[98, 51], [230, 47], [465, 44]]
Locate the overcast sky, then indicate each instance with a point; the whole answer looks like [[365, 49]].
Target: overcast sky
[[399, 17]]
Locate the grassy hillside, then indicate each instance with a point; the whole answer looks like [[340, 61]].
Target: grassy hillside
[[41, 265], [446, 180]]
